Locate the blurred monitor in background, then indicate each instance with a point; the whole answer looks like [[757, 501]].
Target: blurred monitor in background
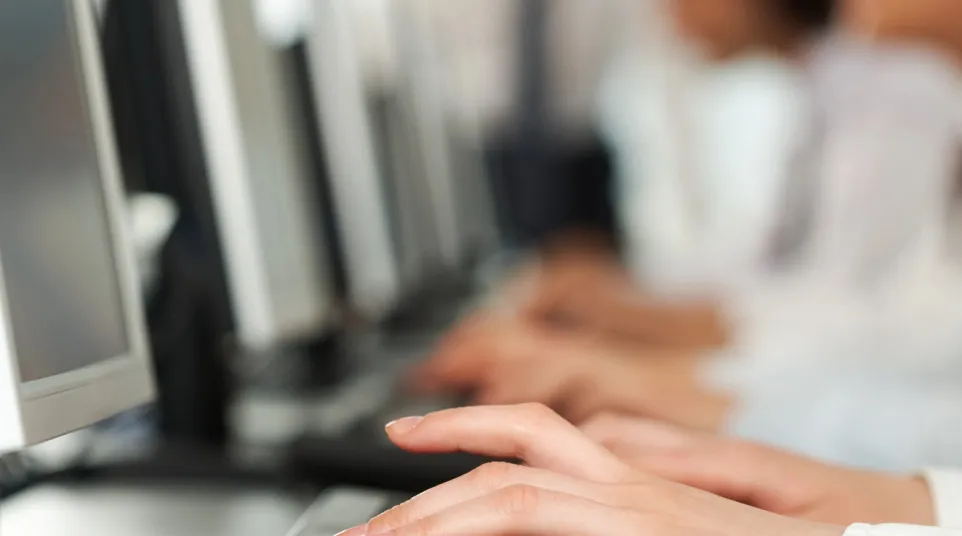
[[457, 193], [397, 185], [359, 193], [524, 78], [260, 177], [72, 342]]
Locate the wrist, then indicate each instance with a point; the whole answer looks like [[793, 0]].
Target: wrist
[[915, 501], [808, 528]]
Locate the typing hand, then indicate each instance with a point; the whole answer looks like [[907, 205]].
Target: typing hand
[[505, 362], [570, 486], [576, 289], [468, 357], [763, 477]]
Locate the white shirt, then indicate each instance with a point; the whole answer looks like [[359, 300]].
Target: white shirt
[[872, 320], [877, 262], [700, 156], [704, 155]]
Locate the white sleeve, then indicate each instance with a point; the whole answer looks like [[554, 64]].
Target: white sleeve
[[899, 530], [888, 160], [946, 489], [869, 413]]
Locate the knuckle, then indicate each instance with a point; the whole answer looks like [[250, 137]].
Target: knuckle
[[491, 476], [538, 415], [420, 528], [519, 500], [396, 517], [741, 454]]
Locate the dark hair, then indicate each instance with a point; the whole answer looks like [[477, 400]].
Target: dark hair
[[807, 14]]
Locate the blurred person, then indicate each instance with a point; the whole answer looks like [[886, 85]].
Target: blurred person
[[580, 284], [872, 269], [736, 188], [578, 278], [888, 398], [570, 484]]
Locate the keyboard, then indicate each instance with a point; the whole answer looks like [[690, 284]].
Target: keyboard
[[366, 463], [339, 509]]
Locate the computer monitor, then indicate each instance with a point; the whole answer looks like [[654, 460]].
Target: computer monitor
[[360, 198], [423, 90], [72, 339], [260, 176]]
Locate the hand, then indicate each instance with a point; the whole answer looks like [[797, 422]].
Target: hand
[[764, 477], [604, 378], [576, 288], [507, 362], [468, 356], [596, 295], [570, 486]]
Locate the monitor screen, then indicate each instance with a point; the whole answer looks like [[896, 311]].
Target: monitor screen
[[63, 298]]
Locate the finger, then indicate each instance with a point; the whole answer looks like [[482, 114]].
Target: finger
[[733, 469], [526, 510], [460, 358], [591, 396], [738, 471], [530, 432], [451, 371], [481, 482], [640, 436], [584, 403], [525, 382]]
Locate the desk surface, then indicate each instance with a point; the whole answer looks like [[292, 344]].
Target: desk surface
[[149, 511]]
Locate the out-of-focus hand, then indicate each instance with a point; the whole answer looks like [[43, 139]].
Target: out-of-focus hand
[[605, 379], [570, 486], [506, 362], [575, 288], [764, 477], [470, 354], [519, 324]]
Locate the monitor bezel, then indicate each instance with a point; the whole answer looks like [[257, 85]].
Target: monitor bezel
[[225, 132], [356, 174], [52, 406]]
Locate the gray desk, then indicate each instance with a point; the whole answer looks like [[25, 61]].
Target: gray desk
[[149, 511]]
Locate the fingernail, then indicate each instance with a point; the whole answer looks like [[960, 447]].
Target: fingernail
[[403, 426], [360, 530]]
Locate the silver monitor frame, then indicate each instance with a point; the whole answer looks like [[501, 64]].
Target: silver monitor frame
[[424, 91], [35, 411], [361, 209], [246, 130]]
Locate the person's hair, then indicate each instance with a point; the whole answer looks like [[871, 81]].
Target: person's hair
[[807, 14]]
